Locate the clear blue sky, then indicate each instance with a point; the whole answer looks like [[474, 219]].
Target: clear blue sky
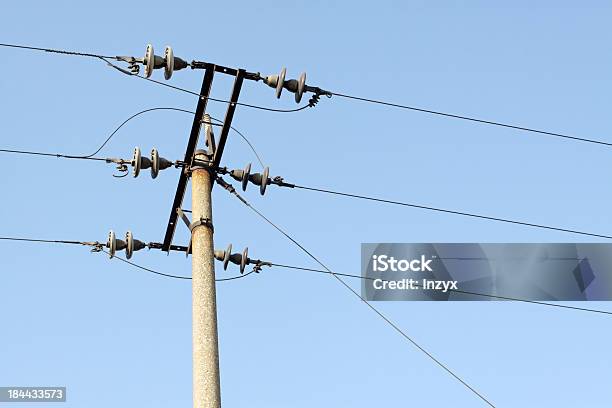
[[117, 336]]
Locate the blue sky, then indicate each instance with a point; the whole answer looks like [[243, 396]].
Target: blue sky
[[118, 336]]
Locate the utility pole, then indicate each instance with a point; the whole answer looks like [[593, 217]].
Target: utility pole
[[203, 168], [206, 379]]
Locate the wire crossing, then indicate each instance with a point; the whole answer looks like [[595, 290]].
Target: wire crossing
[[462, 213], [206, 168], [292, 267], [355, 293]]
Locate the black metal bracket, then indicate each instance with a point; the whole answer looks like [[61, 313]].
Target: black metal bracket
[[188, 162], [229, 115], [192, 225], [189, 153], [252, 76]]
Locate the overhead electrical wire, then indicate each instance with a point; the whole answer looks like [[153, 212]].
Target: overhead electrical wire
[[174, 276], [49, 241], [58, 155], [99, 248], [443, 210], [472, 119], [356, 294], [167, 275], [106, 59], [294, 241], [465, 292], [90, 156], [279, 265], [130, 118], [220, 123], [188, 91], [56, 51]]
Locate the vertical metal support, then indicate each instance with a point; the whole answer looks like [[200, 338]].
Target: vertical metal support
[[206, 378], [229, 115]]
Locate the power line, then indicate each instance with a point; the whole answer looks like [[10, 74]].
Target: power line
[[90, 156], [471, 119], [130, 118], [177, 110], [106, 59], [50, 241], [58, 155], [99, 248], [279, 265], [147, 269], [355, 293], [310, 104], [537, 302], [443, 210], [56, 51], [173, 276]]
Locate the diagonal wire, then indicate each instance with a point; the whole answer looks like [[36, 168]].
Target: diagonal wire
[[471, 119], [465, 214], [355, 293]]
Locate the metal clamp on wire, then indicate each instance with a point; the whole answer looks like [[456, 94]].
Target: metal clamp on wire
[[202, 221]]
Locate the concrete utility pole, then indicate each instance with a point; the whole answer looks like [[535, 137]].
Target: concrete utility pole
[[206, 379]]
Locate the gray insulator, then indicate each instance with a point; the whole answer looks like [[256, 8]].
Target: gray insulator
[[244, 260], [245, 176], [300, 87], [158, 163], [132, 245], [180, 63], [264, 180], [226, 256], [169, 62], [113, 244], [154, 163], [291, 85], [139, 162], [149, 60], [280, 82]]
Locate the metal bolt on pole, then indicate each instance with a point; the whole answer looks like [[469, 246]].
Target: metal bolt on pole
[[206, 379]]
